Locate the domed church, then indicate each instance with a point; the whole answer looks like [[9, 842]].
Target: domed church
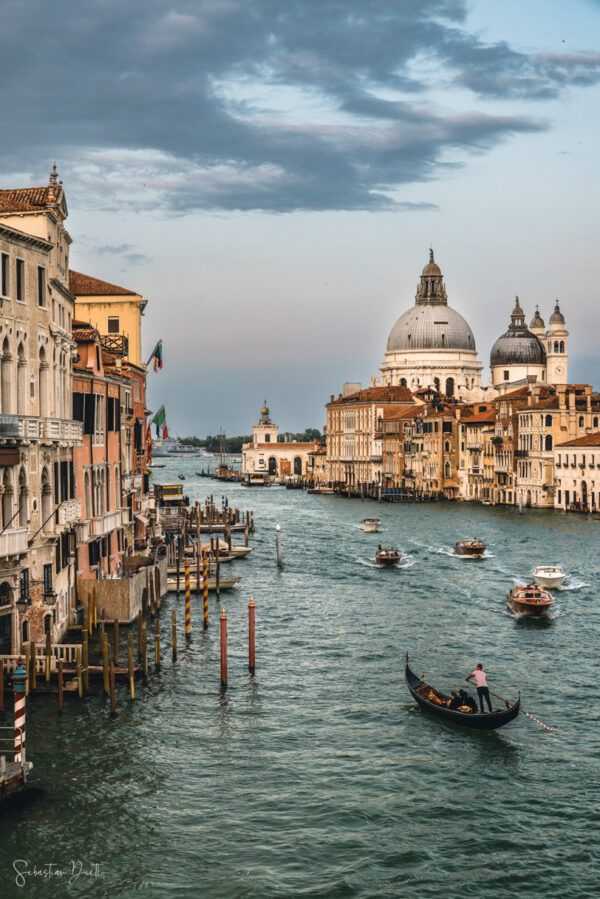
[[431, 345], [522, 352]]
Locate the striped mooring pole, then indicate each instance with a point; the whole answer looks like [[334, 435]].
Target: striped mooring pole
[[205, 586], [19, 683], [188, 612], [223, 620]]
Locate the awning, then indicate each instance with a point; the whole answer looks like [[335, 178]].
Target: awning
[[142, 519]]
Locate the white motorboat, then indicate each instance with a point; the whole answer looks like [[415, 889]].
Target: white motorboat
[[549, 575], [370, 525]]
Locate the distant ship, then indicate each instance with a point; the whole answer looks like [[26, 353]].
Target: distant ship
[[170, 446]]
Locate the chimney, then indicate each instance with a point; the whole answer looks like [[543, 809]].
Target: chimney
[[572, 399], [588, 397], [332, 398], [562, 396]]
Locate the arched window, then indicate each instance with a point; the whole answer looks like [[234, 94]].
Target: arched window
[[7, 500], [21, 381], [272, 465], [548, 442], [47, 517], [447, 446], [556, 346], [436, 384], [108, 489], [447, 469], [562, 346], [449, 386], [581, 421], [595, 421], [22, 499], [548, 421], [297, 465], [6, 372], [43, 384], [403, 382], [88, 496]]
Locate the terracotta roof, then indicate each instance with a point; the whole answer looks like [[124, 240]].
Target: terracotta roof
[[587, 440], [86, 286], [395, 394], [550, 403], [108, 358], [544, 389], [85, 335], [479, 417], [78, 324], [26, 199], [411, 412]]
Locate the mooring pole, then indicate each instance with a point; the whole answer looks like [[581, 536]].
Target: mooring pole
[[278, 545], [205, 586], [19, 681], [223, 620], [188, 611], [251, 657]]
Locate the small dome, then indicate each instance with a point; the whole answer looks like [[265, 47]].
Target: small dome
[[537, 321], [432, 269], [557, 318], [518, 348], [429, 327]]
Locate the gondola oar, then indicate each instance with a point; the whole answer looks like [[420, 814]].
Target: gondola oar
[[523, 712]]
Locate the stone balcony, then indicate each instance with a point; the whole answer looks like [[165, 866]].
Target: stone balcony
[[69, 512], [104, 524], [19, 427], [61, 429], [13, 542]]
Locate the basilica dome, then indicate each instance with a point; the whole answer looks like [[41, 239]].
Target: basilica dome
[[426, 327], [431, 324], [518, 346]]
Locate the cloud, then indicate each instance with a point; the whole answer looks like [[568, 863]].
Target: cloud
[[258, 104]]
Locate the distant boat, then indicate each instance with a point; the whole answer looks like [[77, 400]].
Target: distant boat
[[370, 525], [470, 548], [181, 476], [387, 558], [549, 575], [529, 600]]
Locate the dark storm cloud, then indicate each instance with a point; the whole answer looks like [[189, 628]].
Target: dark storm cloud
[[169, 105]]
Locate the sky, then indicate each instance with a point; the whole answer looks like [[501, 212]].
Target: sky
[[270, 175]]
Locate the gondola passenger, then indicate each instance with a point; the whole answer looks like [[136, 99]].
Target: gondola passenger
[[454, 701]]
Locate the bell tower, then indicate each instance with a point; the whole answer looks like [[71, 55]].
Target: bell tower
[[557, 348], [265, 431]]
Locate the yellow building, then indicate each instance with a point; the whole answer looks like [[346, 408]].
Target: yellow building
[[114, 311]]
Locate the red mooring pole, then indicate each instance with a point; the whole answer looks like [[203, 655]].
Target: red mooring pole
[[19, 682], [251, 659], [223, 620]]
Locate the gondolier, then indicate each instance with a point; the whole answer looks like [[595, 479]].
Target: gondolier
[[482, 686]]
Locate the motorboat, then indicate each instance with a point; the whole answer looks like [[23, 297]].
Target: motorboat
[[550, 576], [529, 600], [370, 525], [470, 548], [387, 558]]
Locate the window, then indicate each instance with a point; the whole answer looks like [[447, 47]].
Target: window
[[562, 346], [595, 421], [506, 375], [267, 438], [4, 273], [24, 583], [48, 578], [113, 324], [41, 280], [581, 421], [97, 357], [548, 421], [20, 272]]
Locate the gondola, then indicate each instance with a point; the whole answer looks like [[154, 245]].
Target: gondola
[[473, 720]]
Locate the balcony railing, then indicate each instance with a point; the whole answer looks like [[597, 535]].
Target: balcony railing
[[61, 429], [117, 344], [83, 531], [13, 542], [104, 524], [69, 512], [24, 426]]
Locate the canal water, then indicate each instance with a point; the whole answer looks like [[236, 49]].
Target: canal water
[[319, 777]]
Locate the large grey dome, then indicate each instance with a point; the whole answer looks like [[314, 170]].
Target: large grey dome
[[518, 346], [428, 327], [431, 324]]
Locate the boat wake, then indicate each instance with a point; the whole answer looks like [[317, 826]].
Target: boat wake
[[572, 584]]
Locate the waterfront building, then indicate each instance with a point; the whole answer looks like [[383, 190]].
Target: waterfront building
[[476, 430], [39, 508], [114, 311], [398, 431], [431, 345], [577, 474], [552, 415], [523, 353], [355, 432], [97, 462], [268, 454]]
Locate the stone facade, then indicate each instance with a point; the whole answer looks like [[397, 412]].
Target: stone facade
[[267, 454]]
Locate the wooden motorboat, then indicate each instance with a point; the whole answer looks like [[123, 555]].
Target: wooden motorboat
[[549, 575], [529, 600], [434, 701], [387, 558], [470, 548], [370, 525]]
